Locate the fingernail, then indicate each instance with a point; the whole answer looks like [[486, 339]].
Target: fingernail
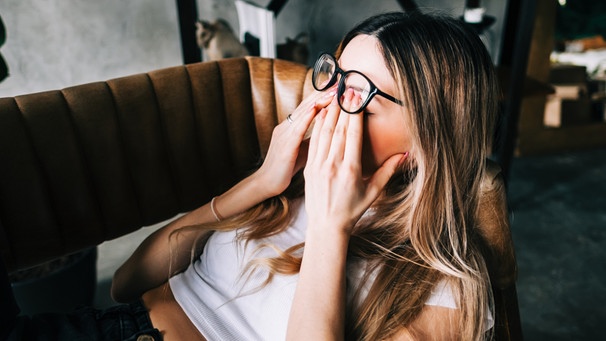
[[402, 158], [330, 94]]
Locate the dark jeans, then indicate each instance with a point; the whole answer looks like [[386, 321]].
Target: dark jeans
[[123, 322]]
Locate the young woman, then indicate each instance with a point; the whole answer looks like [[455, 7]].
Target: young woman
[[364, 230], [379, 242]]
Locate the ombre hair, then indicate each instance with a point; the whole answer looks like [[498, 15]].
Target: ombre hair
[[423, 229]]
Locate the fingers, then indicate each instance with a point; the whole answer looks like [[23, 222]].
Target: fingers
[[323, 131], [336, 134], [295, 128], [313, 142], [317, 100], [288, 148], [300, 123], [339, 140], [302, 157], [353, 147], [380, 178]]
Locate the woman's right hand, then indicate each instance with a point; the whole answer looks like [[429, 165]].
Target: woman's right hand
[[287, 151], [156, 257]]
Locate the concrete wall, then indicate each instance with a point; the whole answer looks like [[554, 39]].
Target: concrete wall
[[53, 44], [57, 43]]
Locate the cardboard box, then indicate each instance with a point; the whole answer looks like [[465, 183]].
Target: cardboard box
[[567, 74], [569, 105]]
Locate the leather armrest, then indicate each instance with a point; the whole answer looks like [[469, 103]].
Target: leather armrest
[[494, 228]]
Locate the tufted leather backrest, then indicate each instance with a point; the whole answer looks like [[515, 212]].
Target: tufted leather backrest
[[493, 220], [96, 161], [93, 162]]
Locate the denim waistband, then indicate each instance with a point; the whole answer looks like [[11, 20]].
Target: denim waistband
[[143, 329], [126, 322]]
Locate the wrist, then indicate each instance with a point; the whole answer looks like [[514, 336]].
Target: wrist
[[256, 188], [325, 242], [241, 197], [264, 185], [326, 229]]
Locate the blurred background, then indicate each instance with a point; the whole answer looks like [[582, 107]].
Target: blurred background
[[56, 43]]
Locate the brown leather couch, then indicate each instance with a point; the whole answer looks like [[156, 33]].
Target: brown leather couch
[[93, 162]]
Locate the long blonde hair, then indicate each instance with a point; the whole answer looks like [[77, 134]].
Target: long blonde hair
[[424, 227]]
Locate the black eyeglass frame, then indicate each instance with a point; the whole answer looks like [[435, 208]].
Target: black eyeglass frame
[[374, 90]]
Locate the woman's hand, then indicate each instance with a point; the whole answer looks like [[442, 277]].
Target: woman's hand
[[336, 194], [287, 151]]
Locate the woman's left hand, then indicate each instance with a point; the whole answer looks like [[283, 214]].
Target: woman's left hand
[[336, 194]]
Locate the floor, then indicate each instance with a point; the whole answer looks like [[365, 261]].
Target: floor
[[558, 206], [558, 214], [113, 253]]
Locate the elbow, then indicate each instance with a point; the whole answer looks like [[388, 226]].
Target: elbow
[[116, 294], [119, 291]]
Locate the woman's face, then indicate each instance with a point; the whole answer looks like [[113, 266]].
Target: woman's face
[[385, 131]]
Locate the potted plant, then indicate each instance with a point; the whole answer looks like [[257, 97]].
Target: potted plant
[[3, 66]]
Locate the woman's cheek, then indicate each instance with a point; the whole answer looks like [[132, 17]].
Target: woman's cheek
[[382, 139]]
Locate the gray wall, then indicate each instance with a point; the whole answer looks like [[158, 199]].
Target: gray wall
[[53, 44], [57, 43], [327, 21]]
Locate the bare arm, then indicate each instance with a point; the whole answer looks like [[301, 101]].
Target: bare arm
[[160, 255], [150, 264], [336, 196], [318, 309]]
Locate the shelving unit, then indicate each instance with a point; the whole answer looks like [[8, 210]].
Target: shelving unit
[[533, 136]]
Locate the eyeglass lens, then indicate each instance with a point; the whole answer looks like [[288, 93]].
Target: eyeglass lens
[[324, 71], [360, 87], [324, 76]]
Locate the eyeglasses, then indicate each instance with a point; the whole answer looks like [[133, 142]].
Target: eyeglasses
[[325, 75]]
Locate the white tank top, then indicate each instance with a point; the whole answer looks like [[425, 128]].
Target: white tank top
[[225, 303]]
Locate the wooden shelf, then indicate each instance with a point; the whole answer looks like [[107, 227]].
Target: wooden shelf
[[533, 136], [549, 140]]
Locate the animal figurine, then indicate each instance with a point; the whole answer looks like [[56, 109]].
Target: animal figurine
[[296, 49], [217, 40]]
